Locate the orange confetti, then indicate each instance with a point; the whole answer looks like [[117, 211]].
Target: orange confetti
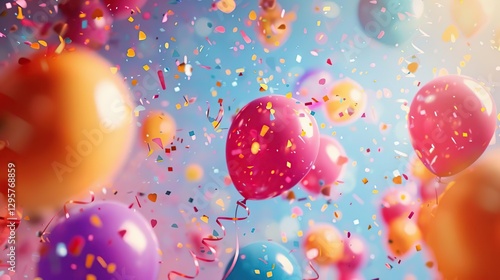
[[397, 180], [152, 197], [142, 36], [95, 221]]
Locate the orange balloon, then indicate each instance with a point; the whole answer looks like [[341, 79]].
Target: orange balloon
[[324, 245], [273, 30], [158, 130], [425, 217], [347, 102], [465, 233], [66, 124], [403, 236]]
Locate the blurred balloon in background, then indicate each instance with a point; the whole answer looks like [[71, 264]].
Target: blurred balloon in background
[[194, 172], [328, 166], [265, 260], [346, 102], [158, 130], [355, 256], [451, 122], [420, 172], [272, 28], [271, 145], [87, 23], [324, 245], [105, 240], [395, 204], [472, 15], [313, 84], [226, 6], [403, 236], [465, 232], [391, 22], [67, 124], [122, 9]]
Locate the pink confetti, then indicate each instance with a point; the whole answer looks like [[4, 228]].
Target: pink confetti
[[220, 29], [165, 18], [381, 34], [322, 81], [245, 37], [153, 223], [162, 79]]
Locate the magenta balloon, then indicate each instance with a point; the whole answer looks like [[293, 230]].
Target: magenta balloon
[[327, 167], [271, 145], [396, 203], [106, 233], [451, 121], [122, 9], [355, 255], [94, 29]]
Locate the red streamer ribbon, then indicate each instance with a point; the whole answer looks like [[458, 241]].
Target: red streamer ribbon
[[66, 213], [196, 259]]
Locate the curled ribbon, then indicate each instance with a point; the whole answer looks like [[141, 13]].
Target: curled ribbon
[[196, 259], [219, 116], [44, 232], [315, 272]]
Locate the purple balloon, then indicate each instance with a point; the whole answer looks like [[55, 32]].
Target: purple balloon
[[106, 240]]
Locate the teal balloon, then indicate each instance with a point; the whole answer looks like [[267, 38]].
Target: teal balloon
[[391, 22], [265, 260]]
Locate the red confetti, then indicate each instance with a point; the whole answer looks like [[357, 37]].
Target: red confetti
[[153, 223], [162, 80]]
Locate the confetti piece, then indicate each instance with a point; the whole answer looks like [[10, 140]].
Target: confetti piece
[[153, 223], [131, 53], [142, 36], [162, 79], [152, 197]]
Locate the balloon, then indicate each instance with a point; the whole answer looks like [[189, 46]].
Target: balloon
[[347, 102], [327, 167], [464, 235], [273, 29], [403, 235], [313, 84], [158, 130], [226, 6], [265, 260], [396, 203], [272, 143], [105, 240], [122, 9], [324, 245], [425, 218], [451, 121], [391, 22], [68, 135], [90, 26], [355, 255], [472, 15]]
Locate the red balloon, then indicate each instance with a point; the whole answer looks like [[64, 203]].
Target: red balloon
[[92, 30], [355, 255], [271, 145], [396, 203], [327, 167], [451, 121], [122, 8]]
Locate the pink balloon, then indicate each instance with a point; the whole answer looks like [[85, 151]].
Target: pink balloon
[[327, 167], [122, 9], [94, 29], [350, 275], [271, 145], [396, 203], [451, 121], [355, 255]]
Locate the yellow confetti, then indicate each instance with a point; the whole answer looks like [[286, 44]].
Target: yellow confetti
[[42, 42], [265, 129], [178, 106], [255, 148], [113, 70], [145, 67], [130, 19], [264, 86], [95, 221], [450, 34], [111, 268], [323, 208], [142, 36], [289, 144], [101, 261], [256, 271], [89, 260], [130, 52], [220, 202], [204, 218], [269, 274], [252, 15], [465, 134], [288, 164], [19, 13]]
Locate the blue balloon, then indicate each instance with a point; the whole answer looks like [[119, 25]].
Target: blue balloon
[[265, 260], [391, 22]]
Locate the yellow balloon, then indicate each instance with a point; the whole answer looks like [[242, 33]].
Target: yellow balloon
[[464, 235], [65, 123], [324, 245], [403, 236], [194, 173], [226, 6], [158, 130], [347, 102], [273, 29], [471, 15]]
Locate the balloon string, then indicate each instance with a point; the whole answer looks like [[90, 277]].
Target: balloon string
[[315, 272], [196, 258], [44, 232], [196, 264], [219, 116]]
